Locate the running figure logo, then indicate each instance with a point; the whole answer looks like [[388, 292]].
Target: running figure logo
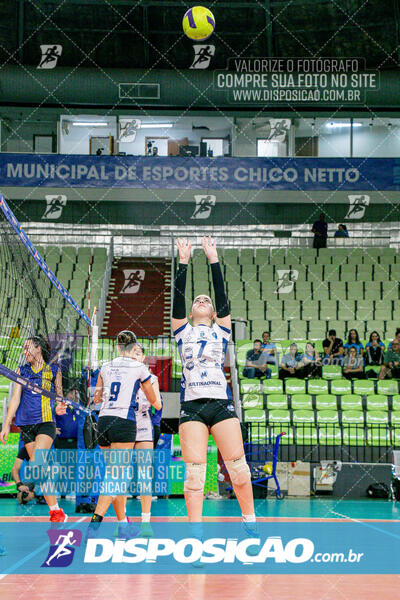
[[54, 208], [128, 129], [50, 56], [204, 205], [358, 204], [133, 280], [286, 280], [62, 547], [202, 56]]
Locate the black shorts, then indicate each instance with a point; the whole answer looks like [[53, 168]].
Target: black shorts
[[29, 432], [115, 430], [207, 410]]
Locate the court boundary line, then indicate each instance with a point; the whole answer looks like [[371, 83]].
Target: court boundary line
[[29, 556]]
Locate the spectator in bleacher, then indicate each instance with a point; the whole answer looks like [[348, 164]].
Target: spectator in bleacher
[[255, 363], [397, 337], [391, 366], [341, 232], [374, 353], [309, 365], [333, 349], [353, 341], [353, 365], [290, 363], [320, 231], [269, 348]]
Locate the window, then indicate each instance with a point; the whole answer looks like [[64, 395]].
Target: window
[[267, 148], [215, 146]]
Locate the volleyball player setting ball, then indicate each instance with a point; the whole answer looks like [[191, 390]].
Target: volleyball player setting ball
[[117, 386], [35, 414], [146, 434], [206, 399]]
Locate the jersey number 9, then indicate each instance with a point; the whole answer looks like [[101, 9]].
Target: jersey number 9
[[114, 391]]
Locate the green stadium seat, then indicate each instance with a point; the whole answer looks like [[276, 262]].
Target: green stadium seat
[[377, 417], [328, 310], [396, 403], [332, 372], [317, 386], [352, 417], [254, 415], [252, 400], [388, 387], [377, 402], [353, 435], [279, 330], [258, 433], [395, 418], [295, 386], [274, 371], [329, 432], [363, 387], [279, 416], [250, 385], [351, 402], [301, 402], [298, 330], [328, 416], [305, 430], [317, 330], [310, 310], [275, 401], [326, 402], [378, 432], [395, 421], [272, 386], [340, 387]]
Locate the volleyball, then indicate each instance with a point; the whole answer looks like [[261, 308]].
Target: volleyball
[[198, 23]]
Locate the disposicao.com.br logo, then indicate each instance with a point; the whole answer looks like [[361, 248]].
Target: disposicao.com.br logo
[[211, 551]]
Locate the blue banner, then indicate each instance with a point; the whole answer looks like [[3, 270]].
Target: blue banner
[[48, 170], [217, 548]]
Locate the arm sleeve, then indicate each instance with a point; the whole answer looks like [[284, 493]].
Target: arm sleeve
[[221, 301], [179, 307], [144, 374]]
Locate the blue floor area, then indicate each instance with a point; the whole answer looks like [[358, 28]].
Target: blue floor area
[[303, 508]]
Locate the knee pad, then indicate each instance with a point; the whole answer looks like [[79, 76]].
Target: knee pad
[[238, 470], [195, 477]]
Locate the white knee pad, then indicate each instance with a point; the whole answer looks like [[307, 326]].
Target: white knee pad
[[195, 477], [238, 470]]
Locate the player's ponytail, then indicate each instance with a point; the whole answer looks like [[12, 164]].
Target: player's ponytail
[[126, 339]]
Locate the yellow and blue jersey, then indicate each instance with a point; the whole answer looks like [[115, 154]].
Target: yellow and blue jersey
[[35, 408]]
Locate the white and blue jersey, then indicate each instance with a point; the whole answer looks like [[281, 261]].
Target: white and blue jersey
[[121, 381], [144, 422], [203, 351]]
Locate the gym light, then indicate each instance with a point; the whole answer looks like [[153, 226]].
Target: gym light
[[89, 123], [334, 125], [155, 125]]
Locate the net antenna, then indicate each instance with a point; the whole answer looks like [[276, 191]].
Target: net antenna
[[33, 301]]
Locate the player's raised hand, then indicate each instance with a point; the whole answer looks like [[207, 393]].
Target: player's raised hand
[[210, 248], [184, 249]]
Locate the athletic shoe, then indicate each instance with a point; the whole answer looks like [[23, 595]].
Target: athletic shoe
[[251, 531], [126, 531], [58, 516], [146, 530]]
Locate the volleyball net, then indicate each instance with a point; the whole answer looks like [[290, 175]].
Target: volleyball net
[[34, 302]]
